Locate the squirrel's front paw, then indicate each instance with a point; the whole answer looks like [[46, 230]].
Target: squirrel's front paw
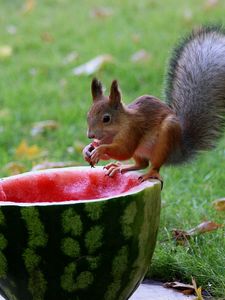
[[96, 155], [87, 151], [113, 168]]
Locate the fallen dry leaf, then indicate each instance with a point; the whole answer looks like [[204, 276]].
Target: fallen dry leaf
[[140, 56], [50, 165], [14, 168], [5, 51], [209, 4], [188, 15], [70, 149], [28, 152], [101, 12], [70, 58], [182, 236], [136, 38], [93, 65], [11, 29], [29, 5], [219, 204], [33, 72], [186, 289], [4, 113], [43, 127], [205, 226], [47, 37]]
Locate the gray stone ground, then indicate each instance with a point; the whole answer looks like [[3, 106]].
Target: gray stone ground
[[152, 290]]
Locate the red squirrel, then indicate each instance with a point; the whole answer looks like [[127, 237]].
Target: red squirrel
[[149, 130]]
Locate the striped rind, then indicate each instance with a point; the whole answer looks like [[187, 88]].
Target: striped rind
[[80, 250]]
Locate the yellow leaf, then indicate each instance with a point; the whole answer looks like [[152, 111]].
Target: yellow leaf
[[26, 151], [29, 6], [13, 168], [219, 204], [79, 146], [5, 51], [198, 290]]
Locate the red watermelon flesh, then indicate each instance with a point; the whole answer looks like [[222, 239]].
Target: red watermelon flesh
[[2, 193], [57, 185]]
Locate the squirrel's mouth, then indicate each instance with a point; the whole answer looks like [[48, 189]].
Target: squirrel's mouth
[[101, 141]]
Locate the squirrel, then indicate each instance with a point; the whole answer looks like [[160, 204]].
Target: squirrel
[[171, 132]]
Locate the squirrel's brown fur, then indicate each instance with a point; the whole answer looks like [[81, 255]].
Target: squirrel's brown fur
[[149, 130]]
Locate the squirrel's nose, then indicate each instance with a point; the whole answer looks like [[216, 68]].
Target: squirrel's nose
[[90, 135]]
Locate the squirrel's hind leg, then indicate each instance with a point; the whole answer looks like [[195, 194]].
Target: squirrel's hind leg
[[117, 167], [168, 139]]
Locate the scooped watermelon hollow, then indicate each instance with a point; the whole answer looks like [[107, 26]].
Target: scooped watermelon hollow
[[75, 233], [57, 185]]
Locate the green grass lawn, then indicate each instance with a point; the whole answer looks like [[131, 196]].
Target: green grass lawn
[[36, 85]]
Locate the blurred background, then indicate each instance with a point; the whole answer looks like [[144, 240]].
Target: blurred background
[[50, 51], [43, 42]]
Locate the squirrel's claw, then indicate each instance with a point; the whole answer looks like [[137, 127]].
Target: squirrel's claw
[[87, 154], [95, 156], [113, 168], [151, 175], [114, 165], [112, 171]]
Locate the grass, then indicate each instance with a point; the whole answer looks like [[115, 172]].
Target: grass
[[35, 85]]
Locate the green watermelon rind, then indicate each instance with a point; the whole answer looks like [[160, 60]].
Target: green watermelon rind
[[94, 249]]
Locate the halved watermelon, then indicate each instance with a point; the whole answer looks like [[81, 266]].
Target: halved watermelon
[[75, 233]]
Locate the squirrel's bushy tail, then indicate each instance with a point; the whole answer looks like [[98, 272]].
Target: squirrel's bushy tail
[[196, 90]]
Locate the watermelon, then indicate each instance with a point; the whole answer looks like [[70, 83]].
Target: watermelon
[[75, 233]]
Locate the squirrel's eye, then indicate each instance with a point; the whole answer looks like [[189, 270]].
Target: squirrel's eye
[[106, 118]]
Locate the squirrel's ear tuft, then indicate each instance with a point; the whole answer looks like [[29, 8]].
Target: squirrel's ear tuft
[[115, 94], [96, 89]]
